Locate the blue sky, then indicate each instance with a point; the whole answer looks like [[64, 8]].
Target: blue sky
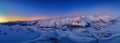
[[58, 8]]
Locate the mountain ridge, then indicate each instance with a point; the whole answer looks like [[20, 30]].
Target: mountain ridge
[[81, 29]]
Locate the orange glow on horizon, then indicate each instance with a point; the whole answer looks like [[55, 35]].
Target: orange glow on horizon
[[9, 19]]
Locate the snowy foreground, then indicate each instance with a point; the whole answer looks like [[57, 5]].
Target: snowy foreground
[[82, 29]]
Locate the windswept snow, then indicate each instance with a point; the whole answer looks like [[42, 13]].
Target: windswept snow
[[81, 29]]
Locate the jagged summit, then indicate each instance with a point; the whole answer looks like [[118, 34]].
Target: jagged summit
[[80, 21], [81, 29]]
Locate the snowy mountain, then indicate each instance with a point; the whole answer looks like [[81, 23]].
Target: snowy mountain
[[81, 29]]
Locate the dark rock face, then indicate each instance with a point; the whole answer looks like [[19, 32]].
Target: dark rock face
[[0, 31], [5, 33]]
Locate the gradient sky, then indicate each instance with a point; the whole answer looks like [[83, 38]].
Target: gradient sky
[[48, 9]]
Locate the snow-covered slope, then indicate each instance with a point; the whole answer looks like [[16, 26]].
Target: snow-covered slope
[[81, 29]]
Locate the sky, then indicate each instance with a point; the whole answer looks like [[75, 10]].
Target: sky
[[44, 9]]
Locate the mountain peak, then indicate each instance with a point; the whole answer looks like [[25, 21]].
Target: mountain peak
[[80, 21]]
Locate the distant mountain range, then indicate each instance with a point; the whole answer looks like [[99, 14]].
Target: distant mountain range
[[81, 29]]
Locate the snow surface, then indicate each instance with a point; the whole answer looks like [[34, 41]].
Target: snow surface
[[82, 29]]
